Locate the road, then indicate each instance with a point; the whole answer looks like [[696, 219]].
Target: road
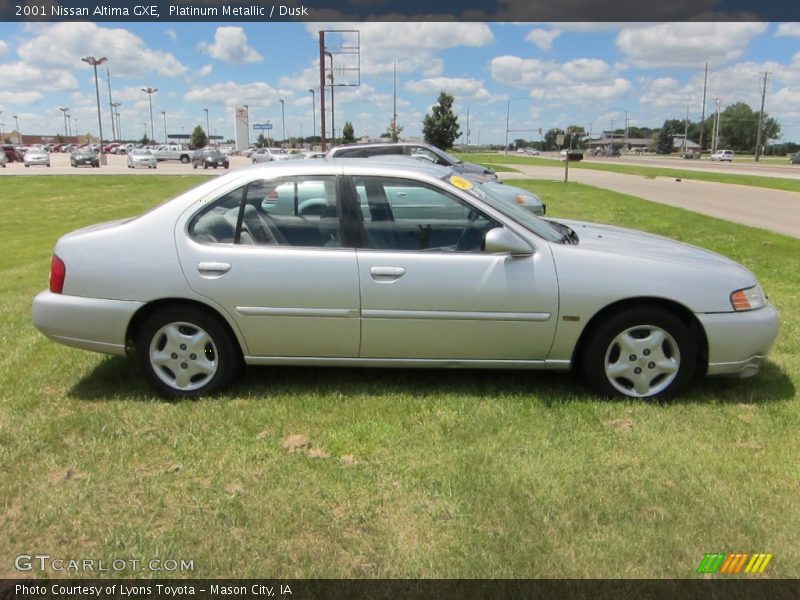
[[773, 210]]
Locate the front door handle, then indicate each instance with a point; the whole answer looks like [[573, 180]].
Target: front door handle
[[386, 274], [213, 269]]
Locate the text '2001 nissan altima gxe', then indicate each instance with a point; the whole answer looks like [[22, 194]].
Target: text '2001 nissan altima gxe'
[[347, 262]]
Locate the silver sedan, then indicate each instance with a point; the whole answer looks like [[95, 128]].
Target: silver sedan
[[362, 263]]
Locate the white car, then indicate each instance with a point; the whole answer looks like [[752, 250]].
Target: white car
[[36, 156], [139, 157], [267, 155], [395, 264], [723, 155]]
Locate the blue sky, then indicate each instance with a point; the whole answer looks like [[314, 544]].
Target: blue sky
[[554, 74]]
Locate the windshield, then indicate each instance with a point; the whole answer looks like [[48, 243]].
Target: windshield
[[501, 202], [453, 160]]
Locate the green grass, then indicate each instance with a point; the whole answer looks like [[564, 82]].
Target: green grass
[[774, 183], [406, 473]]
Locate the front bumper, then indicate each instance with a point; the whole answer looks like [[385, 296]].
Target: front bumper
[[738, 342], [88, 323]]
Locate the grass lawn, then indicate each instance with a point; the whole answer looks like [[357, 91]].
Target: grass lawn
[[775, 183], [311, 472]]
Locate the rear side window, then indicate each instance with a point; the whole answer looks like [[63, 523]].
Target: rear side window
[[295, 211]]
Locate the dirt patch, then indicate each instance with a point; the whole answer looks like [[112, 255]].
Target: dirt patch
[[348, 459], [68, 474], [174, 468], [317, 453], [620, 425], [296, 443]]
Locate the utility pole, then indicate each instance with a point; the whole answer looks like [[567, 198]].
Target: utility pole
[[703, 112], [111, 104], [715, 133], [761, 117], [625, 143], [394, 103], [685, 130], [468, 128], [323, 142]]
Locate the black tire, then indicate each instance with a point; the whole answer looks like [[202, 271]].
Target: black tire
[[194, 165], [659, 362], [213, 370], [205, 165], [184, 159]]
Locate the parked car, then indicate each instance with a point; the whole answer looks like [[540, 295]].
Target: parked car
[[172, 152], [422, 151], [795, 160], [36, 156], [261, 155], [210, 158], [12, 152], [84, 156], [403, 266], [139, 157], [723, 155]]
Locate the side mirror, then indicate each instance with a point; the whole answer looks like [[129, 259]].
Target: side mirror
[[502, 240]]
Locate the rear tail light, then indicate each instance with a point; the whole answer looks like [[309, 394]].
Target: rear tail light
[[58, 272]]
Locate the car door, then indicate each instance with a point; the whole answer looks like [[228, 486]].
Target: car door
[[429, 291], [291, 293]]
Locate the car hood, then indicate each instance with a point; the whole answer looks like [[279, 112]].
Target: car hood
[[629, 242], [466, 167]]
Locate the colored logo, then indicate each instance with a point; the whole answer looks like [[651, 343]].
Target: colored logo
[[734, 563]]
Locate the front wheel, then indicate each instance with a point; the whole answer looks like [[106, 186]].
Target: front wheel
[[640, 353], [185, 352], [184, 159]]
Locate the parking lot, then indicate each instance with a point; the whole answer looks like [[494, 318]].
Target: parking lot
[[116, 165]]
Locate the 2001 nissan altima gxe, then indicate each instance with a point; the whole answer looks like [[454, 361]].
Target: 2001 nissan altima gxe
[[347, 262]]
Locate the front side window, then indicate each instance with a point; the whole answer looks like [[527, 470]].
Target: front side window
[[402, 214], [293, 211]]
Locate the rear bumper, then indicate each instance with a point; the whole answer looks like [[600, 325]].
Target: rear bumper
[[738, 342], [88, 323]]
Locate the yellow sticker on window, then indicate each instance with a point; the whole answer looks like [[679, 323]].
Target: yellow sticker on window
[[460, 182]]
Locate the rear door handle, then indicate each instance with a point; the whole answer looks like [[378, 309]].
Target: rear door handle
[[213, 269], [386, 274]]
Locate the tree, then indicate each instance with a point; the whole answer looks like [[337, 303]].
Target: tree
[[739, 126], [261, 141], [665, 140], [440, 127], [393, 132], [348, 135], [198, 139], [145, 141]]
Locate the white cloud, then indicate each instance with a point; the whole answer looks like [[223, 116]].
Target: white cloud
[[24, 76], [19, 98], [577, 81], [230, 93], [171, 34], [543, 38], [230, 45], [62, 46], [3, 49], [462, 88], [788, 29], [205, 70], [687, 45]]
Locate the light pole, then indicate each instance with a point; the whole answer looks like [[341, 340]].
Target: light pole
[[115, 110], [508, 116], [164, 114], [333, 113], [111, 104], [16, 126], [150, 91], [313, 116], [283, 121], [208, 127], [94, 62], [76, 130], [64, 110]]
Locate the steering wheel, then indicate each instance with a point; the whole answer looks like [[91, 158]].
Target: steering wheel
[[464, 244]]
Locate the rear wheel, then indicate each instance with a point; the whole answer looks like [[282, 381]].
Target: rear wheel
[[185, 352], [640, 353], [184, 159]]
